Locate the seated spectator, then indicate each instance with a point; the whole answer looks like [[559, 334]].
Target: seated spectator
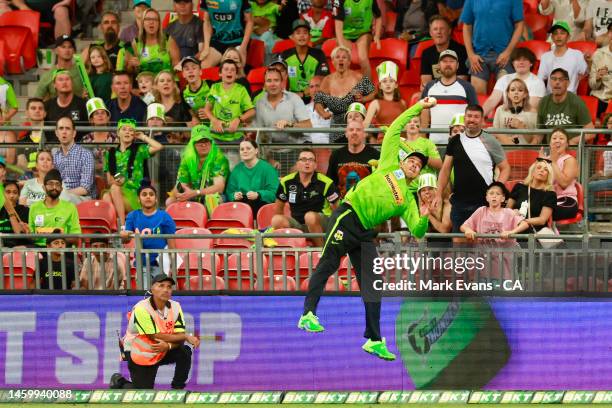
[[130, 33], [597, 19], [253, 181], [355, 23], [196, 92], [535, 199], [64, 51], [55, 12], [341, 88], [565, 173], [125, 106], [522, 59], [457, 125], [66, 103], [351, 163], [233, 54], [112, 45], [62, 264], [33, 189], [388, 104], [561, 56], [203, 170], [439, 212], [265, 14], [145, 87], [186, 30], [74, 162], [415, 141], [100, 72], [99, 116], [454, 93], [321, 22], [280, 109], [573, 12], [490, 41], [600, 80], [156, 118], [311, 197], [167, 92], [356, 111], [126, 166], [317, 121], [303, 61], [440, 32], [602, 179], [563, 108], [13, 216], [149, 220], [34, 116], [8, 109], [53, 213], [516, 113], [229, 105], [99, 268], [234, 30], [152, 50]]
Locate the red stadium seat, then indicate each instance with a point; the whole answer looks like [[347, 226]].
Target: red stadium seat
[[206, 282], [242, 284], [188, 214], [412, 77], [266, 212], [391, 19], [256, 78], [96, 216], [591, 103], [283, 45], [292, 239], [19, 51], [539, 25], [23, 269], [230, 243], [193, 243], [588, 48], [530, 6], [230, 215], [343, 270], [241, 264], [391, 49], [520, 161], [29, 19], [208, 263], [256, 53], [283, 262], [308, 258], [457, 34], [580, 213], [280, 283], [211, 74]]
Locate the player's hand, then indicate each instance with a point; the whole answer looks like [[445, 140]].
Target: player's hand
[[428, 102], [160, 346]]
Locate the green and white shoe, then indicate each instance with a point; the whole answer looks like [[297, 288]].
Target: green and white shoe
[[310, 323], [378, 349]]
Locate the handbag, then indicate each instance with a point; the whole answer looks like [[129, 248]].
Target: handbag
[[547, 243]]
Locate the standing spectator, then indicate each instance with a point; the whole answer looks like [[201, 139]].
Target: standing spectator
[[62, 264], [64, 51], [303, 61], [99, 116], [455, 94], [35, 116], [311, 197], [416, 142], [74, 162], [440, 32], [565, 172], [317, 121], [167, 92], [66, 103], [196, 92], [227, 23], [572, 11], [126, 167], [8, 109], [99, 69], [321, 22], [281, 109], [13, 217], [130, 33], [100, 268], [473, 156], [113, 46], [571, 60], [351, 163], [229, 104], [522, 59], [411, 22], [233, 54], [265, 13], [517, 113], [354, 22], [562, 108], [187, 29], [439, 214], [34, 189], [252, 181], [598, 17], [491, 30], [53, 11], [125, 106], [53, 213], [600, 80]]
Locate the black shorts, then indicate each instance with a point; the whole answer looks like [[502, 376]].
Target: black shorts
[[222, 47]]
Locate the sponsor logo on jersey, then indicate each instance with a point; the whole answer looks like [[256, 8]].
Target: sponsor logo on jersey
[[395, 190]]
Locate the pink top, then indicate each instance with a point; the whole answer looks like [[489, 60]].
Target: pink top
[[485, 221], [570, 190]]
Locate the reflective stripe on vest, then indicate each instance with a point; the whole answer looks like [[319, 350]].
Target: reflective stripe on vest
[[141, 351]]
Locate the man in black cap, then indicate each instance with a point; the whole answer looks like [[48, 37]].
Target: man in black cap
[[156, 336], [187, 29], [65, 48]]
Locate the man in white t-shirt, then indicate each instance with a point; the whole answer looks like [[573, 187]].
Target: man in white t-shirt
[[317, 121], [561, 56], [598, 16]]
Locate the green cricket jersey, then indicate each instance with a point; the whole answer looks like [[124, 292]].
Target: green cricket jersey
[[301, 72], [386, 193], [358, 16], [196, 99], [228, 105]]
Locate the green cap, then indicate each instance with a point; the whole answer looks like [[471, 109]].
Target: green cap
[[458, 119], [126, 122], [95, 104], [200, 132], [156, 110], [59, 71], [356, 107], [387, 69], [560, 24], [427, 180]]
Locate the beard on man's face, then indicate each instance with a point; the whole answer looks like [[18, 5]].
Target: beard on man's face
[[110, 36], [54, 194]]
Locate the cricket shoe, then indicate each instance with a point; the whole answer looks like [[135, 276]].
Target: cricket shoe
[[310, 323], [378, 349]]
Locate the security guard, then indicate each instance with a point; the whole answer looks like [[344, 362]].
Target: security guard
[[155, 336]]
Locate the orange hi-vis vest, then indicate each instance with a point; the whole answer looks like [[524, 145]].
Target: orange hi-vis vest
[[139, 345]]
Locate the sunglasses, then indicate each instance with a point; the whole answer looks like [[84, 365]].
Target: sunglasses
[[542, 159]]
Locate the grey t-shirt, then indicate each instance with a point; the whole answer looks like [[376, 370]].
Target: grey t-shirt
[[187, 36], [290, 108]]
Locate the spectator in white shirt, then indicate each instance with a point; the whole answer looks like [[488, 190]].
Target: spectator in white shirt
[[572, 11], [317, 121]]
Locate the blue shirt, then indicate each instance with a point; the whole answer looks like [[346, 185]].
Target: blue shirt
[[137, 110], [158, 223], [227, 19], [492, 23]]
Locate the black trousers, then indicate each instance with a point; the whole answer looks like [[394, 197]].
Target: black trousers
[[143, 377], [348, 236]]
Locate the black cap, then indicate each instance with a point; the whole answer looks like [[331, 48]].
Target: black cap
[[53, 175], [278, 60], [52, 238], [61, 39], [419, 155], [300, 23], [162, 277], [189, 58]]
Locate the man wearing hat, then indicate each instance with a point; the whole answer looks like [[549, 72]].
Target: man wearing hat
[[52, 212], [455, 93], [303, 61], [186, 29], [64, 50], [561, 56], [374, 200], [156, 336], [66, 103], [130, 33], [196, 92]]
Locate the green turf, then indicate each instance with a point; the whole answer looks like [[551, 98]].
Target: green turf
[[305, 405]]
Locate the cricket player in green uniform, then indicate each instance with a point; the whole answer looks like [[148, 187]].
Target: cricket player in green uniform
[[375, 199]]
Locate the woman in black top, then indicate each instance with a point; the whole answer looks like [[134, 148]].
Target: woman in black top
[[14, 221]]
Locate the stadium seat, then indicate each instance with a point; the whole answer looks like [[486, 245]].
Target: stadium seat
[[188, 214], [282, 45], [412, 76], [19, 51], [208, 263], [344, 266], [256, 78], [520, 161], [391, 49], [210, 74], [29, 19], [202, 283], [580, 213], [193, 243], [97, 216], [266, 212], [23, 272], [282, 262], [539, 25], [591, 104], [588, 48], [2, 62], [292, 239], [230, 215], [305, 259], [241, 284], [391, 19], [457, 34], [256, 53], [231, 243], [242, 263], [329, 45], [280, 283], [530, 6]]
